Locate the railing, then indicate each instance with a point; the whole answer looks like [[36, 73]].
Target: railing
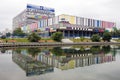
[[18, 44]]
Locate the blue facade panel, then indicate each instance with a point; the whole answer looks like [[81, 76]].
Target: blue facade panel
[[98, 23]]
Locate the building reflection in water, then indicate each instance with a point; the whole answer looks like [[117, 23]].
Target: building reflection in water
[[43, 60], [71, 58], [29, 64]]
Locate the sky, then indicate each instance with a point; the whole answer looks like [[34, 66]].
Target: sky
[[107, 10]]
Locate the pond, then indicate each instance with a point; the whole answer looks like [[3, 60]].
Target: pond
[[60, 63]]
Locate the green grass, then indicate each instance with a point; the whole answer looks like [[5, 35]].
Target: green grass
[[25, 40], [81, 40], [21, 40], [15, 39]]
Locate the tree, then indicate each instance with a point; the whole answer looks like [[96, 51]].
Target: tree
[[34, 37], [57, 36], [3, 37], [8, 34], [107, 36], [95, 38], [18, 32]]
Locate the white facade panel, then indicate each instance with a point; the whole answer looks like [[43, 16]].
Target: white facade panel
[[56, 20]]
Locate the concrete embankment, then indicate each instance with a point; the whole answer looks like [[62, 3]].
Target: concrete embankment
[[56, 44]]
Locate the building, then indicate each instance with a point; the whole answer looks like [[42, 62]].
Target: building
[[32, 14], [70, 26]]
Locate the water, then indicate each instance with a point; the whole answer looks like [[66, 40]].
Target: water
[[60, 63]]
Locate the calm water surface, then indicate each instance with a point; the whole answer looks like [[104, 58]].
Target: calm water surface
[[60, 63]]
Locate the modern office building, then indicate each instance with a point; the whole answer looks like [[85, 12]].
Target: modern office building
[[30, 20]]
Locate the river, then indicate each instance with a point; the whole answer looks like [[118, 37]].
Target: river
[[60, 63]]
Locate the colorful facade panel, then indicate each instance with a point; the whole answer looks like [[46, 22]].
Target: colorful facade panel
[[77, 22]]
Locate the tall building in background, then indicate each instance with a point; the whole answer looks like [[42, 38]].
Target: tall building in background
[[32, 14]]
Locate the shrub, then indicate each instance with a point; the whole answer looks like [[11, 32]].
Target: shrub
[[95, 38]]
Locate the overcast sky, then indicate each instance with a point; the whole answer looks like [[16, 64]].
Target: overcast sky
[[108, 10]]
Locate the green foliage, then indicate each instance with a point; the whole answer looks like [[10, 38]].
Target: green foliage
[[34, 37], [95, 49], [3, 37], [34, 51], [8, 34], [95, 38], [57, 36], [82, 38], [18, 32], [18, 50], [107, 36], [116, 32], [57, 51], [3, 50], [106, 49]]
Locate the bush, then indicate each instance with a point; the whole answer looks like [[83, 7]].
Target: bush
[[3, 37], [34, 37], [95, 38], [107, 36], [57, 36]]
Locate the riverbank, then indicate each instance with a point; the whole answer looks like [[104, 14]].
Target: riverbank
[[25, 44]]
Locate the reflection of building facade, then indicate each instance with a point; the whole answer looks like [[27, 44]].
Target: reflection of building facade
[[31, 66], [75, 60]]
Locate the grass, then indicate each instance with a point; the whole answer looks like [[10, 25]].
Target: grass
[[15, 40], [81, 40], [25, 40]]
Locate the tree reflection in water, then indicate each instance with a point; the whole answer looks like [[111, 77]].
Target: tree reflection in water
[[95, 49], [3, 50], [34, 51], [106, 49]]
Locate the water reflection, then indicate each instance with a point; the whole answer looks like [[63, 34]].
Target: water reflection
[[28, 62], [36, 61]]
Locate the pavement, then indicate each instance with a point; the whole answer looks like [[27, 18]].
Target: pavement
[[67, 41]]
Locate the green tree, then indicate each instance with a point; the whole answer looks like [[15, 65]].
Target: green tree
[[18, 32], [115, 32], [8, 34], [34, 37], [57, 36], [3, 37], [95, 38], [107, 36]]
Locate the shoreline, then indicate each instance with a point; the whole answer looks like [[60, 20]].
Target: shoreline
[[38, 44]]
